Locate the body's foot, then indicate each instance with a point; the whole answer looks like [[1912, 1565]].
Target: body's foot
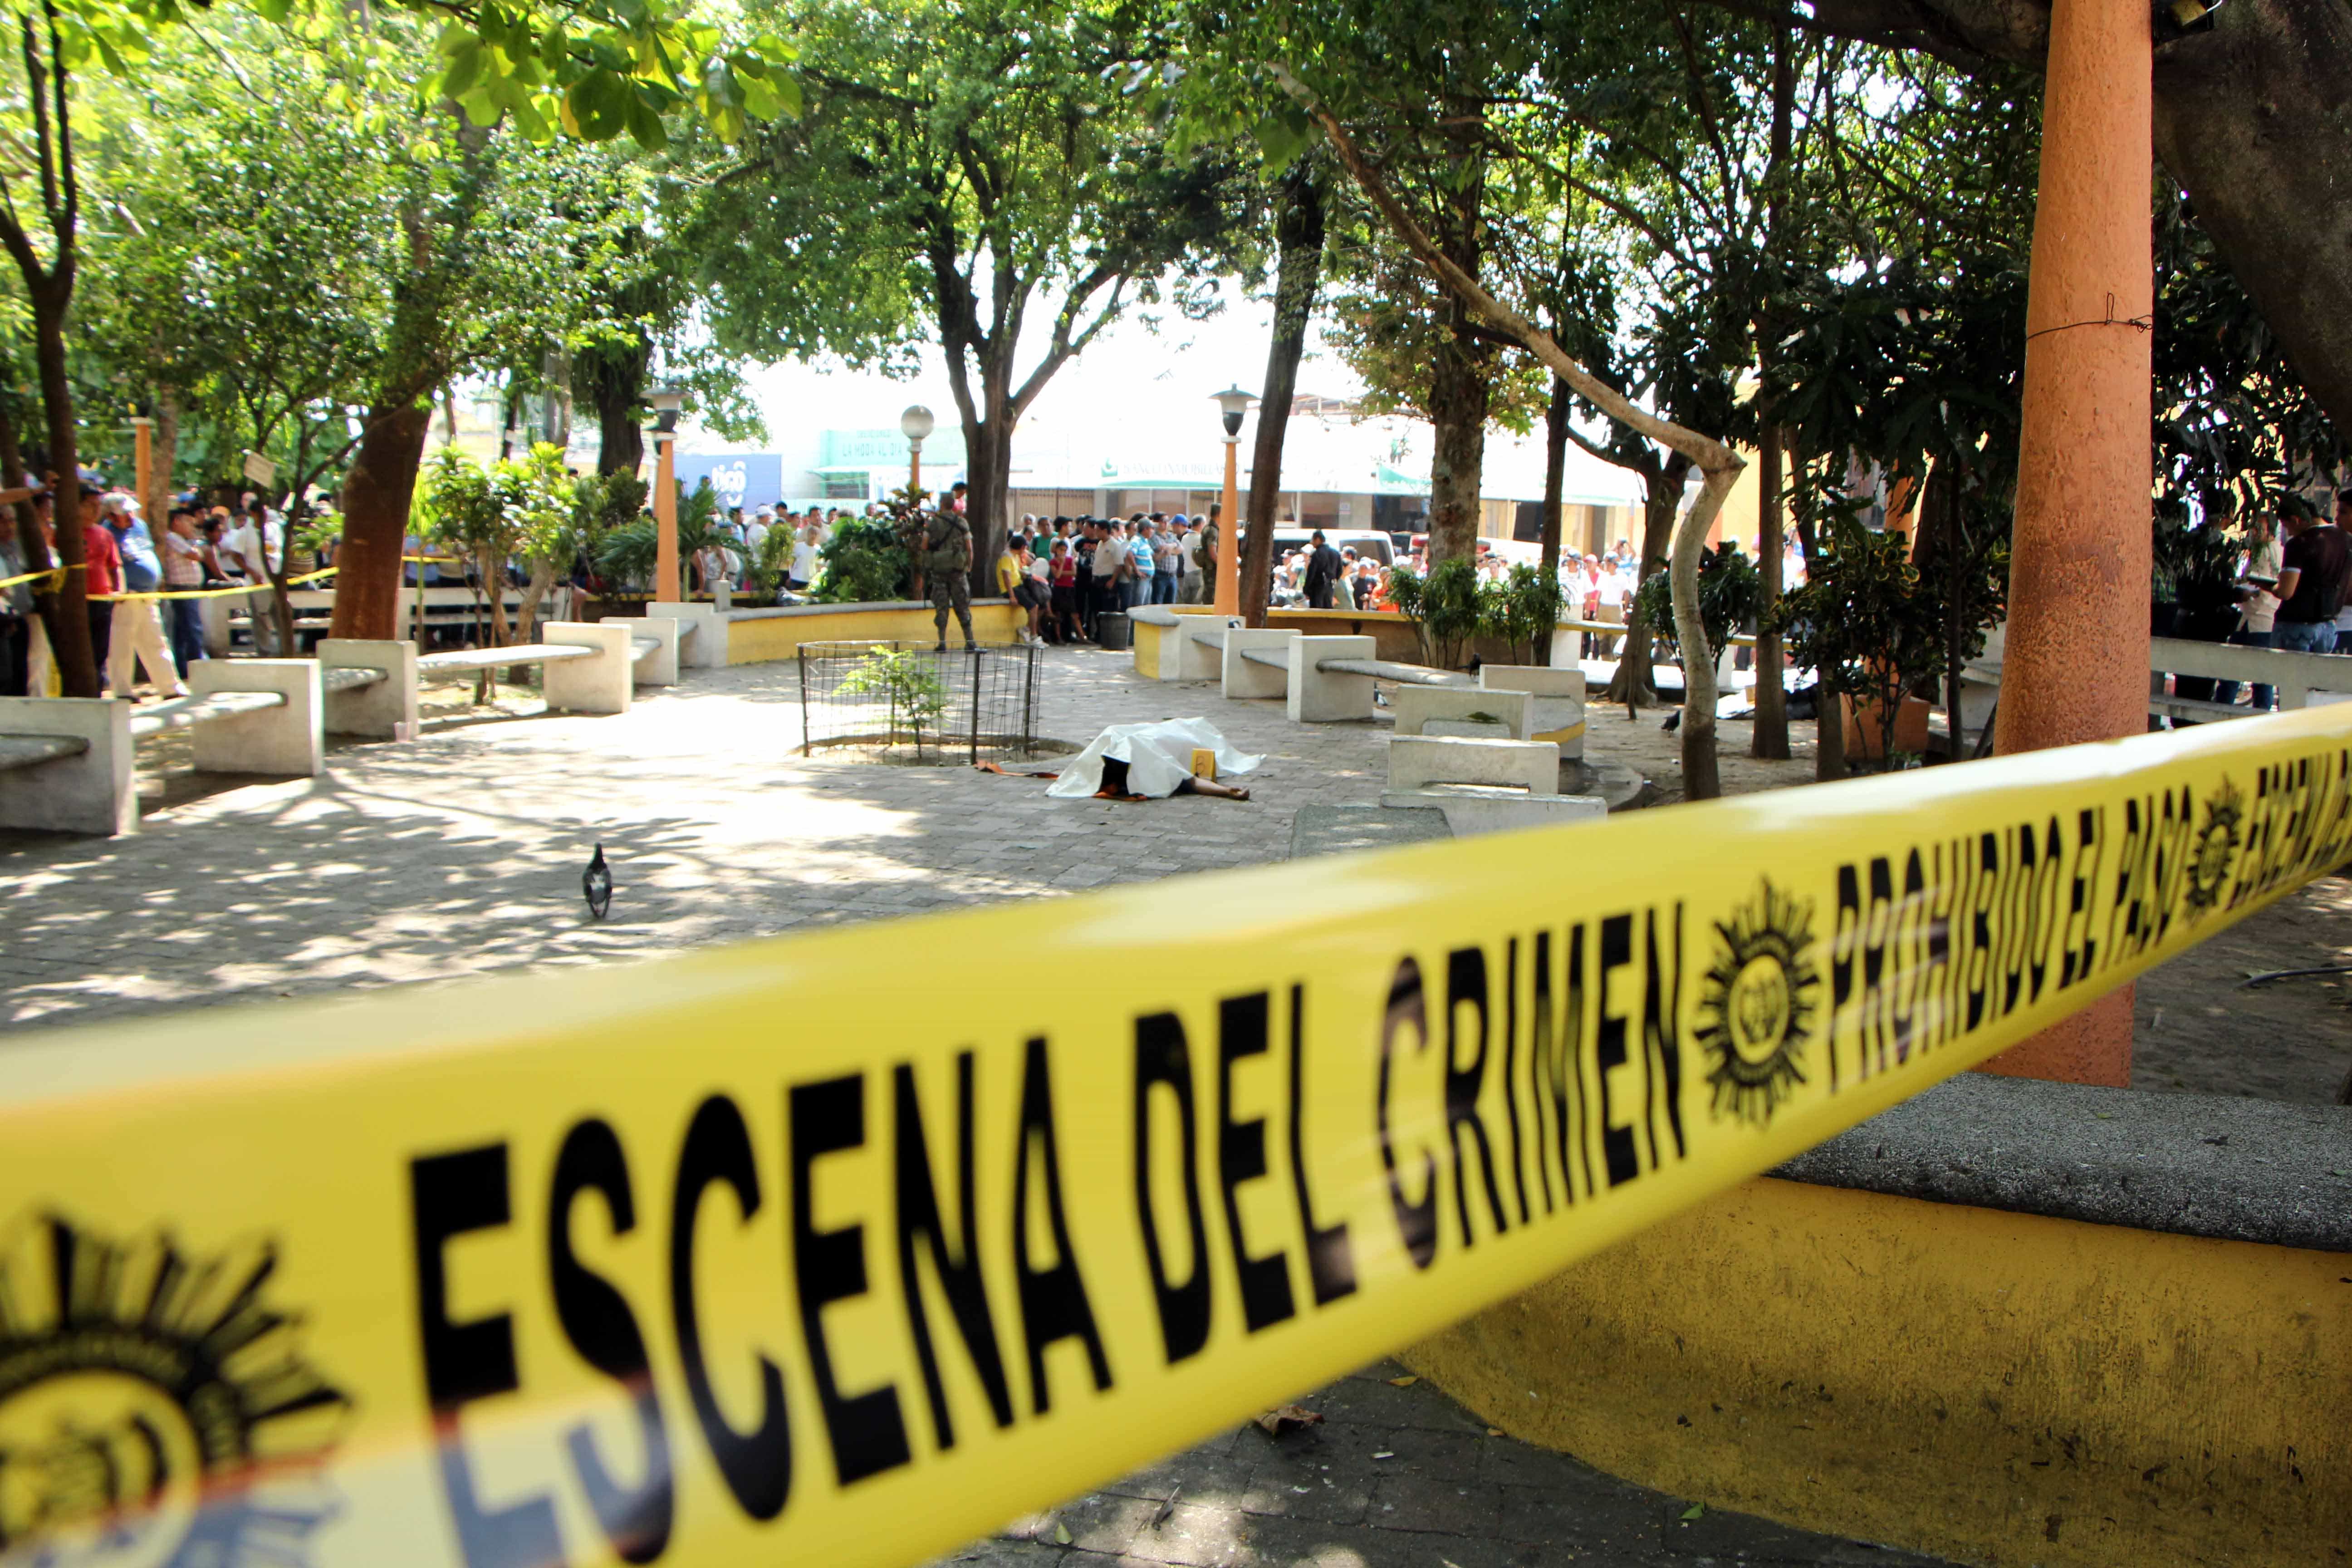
[[941, 647], [969, 646]]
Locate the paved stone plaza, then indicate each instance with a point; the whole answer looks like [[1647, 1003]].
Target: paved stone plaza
[[460, 853]]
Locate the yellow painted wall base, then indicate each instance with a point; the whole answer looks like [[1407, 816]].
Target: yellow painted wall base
[[1996, 1388], [779, 637]]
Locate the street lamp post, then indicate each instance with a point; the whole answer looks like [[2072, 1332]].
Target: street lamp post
[[666, 401], [915, 423], [1234, 403]]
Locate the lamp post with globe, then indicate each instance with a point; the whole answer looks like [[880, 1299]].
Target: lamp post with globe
[[915, 423], [1234, 403]]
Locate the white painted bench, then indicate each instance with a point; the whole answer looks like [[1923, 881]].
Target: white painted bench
[[1418, 707], [371, 686], [68, 759]]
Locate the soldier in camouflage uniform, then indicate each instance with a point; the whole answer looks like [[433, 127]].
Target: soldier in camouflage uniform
[[945, 561]]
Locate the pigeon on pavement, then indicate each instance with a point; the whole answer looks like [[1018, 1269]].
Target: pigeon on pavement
[[596, 882]]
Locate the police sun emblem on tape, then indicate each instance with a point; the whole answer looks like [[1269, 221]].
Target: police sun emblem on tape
[[1756, 1005], [156, 1409], [2215, 852]]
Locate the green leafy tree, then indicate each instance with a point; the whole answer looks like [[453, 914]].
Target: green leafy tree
[[973, 172], [596, 67]]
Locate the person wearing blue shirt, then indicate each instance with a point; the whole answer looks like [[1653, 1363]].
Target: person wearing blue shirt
[[137, 634]]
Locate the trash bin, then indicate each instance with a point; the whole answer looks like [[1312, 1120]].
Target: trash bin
[[1112, 631]]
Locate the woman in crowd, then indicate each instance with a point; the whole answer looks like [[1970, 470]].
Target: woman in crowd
[[1063, 575]]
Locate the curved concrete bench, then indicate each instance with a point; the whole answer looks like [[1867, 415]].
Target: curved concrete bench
[[2009, 1321]]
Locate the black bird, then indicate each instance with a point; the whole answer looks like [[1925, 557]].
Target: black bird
[[596, 882]]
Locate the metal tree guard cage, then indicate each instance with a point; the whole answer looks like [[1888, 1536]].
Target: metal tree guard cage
[[906, 698]]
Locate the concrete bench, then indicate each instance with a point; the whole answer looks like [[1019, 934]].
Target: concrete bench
[[1240, 675], [68, 759], [371, 686], [1416, 761], [1556, 700], [1417, 706], [1317, 691], [1201, 647], [1484, 787]]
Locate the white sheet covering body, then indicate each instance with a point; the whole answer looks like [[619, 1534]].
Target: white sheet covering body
[[1159, 757]]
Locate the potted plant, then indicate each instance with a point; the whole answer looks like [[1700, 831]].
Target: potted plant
[[1521, 611], [1873, 631]]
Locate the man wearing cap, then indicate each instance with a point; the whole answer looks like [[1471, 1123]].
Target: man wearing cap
[[136, 636]]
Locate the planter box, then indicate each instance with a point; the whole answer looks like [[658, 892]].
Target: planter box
[[1865, 726]]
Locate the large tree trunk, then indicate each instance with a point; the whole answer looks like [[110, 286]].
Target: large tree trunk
[[164, 456], [69, 626], [377, 493], [1771, 738], [1458, 389], [1458, 395], [616, 387], [1661, 499], [1770, 741], [1299, 230], [988, 462]]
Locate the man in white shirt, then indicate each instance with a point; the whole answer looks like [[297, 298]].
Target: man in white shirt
[[1612, 591], [259, 546], [1110, 555]]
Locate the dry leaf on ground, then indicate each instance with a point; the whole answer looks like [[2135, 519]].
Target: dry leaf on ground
[[1287, 1418]]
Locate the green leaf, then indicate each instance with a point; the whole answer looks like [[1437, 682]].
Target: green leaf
[[1695, 1510], [645, 125], [466, 66]]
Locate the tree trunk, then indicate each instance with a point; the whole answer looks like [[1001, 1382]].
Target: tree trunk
[[1771, 738], [377, 491], [616, 385], [1458, 395], [1555, 478], [1771, 742], [1459, 390], [542, 581], [1701, 768], [31, 544], [68, 627], [1299, 230], [1661, 499], [988, 462]]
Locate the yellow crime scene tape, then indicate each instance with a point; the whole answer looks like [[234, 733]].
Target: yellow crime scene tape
[[843, 1249]]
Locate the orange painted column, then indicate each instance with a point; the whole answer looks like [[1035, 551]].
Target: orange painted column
[[2075, 668], [665, 561], [1227, 599]]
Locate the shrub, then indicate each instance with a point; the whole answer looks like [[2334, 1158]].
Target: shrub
[[1443, 607], [1521, 610], [1730, 591], [861, 563]]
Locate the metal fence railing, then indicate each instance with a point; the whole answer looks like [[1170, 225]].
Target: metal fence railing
[[904, 698]]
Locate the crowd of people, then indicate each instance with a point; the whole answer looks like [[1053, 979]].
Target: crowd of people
[[219, 546]]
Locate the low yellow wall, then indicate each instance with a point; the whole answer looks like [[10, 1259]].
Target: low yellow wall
[[1996, 1388], [779, 637]]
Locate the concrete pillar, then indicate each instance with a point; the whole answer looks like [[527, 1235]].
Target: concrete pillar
[[600, 685], [287, 741], [385, 710], [666, 563], [2076, 661]]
